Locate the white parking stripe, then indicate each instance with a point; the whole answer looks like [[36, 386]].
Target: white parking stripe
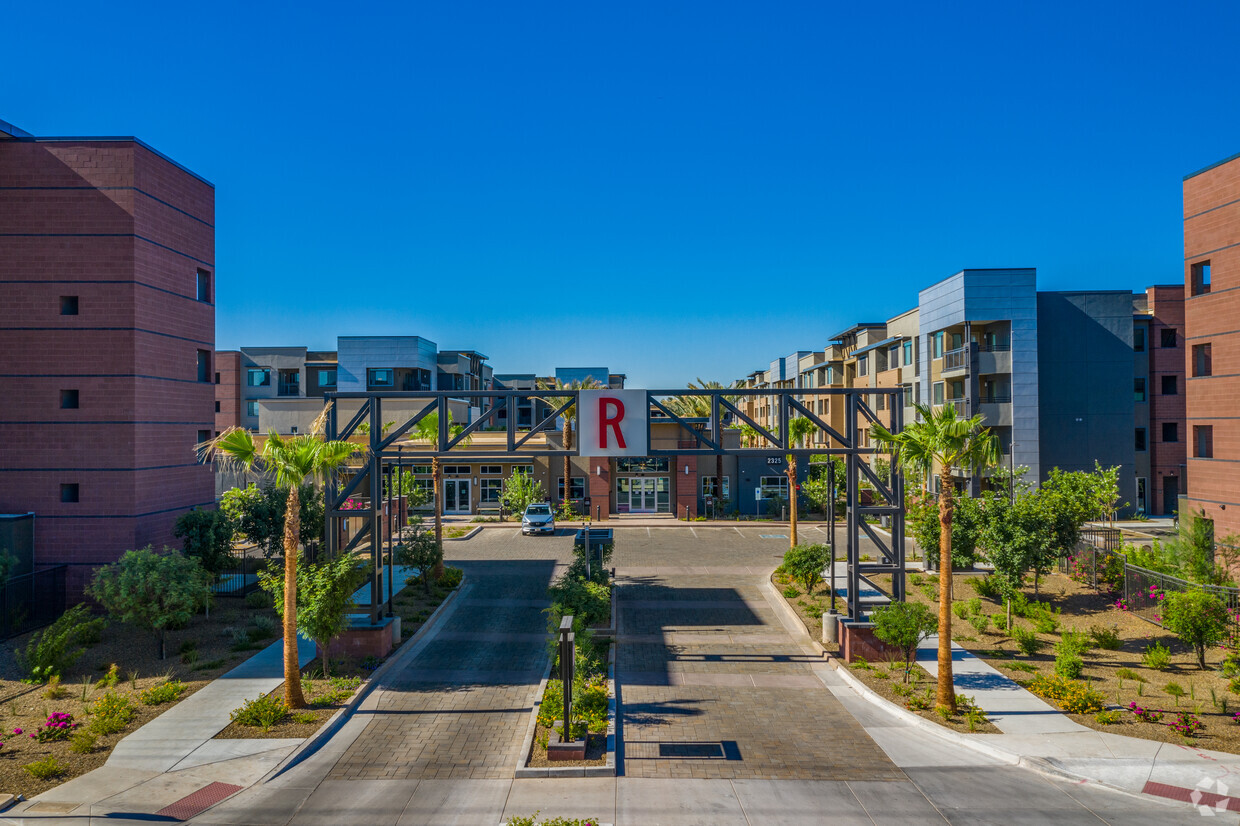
[[738, 530], [695, 536]]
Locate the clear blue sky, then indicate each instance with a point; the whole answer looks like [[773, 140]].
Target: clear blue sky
[[670, 189]]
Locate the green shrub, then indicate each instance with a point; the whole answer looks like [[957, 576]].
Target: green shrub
[[56, 648], [83, 742], [55, 691], [1175, 690], [1000, 621], [165, 692], [1128, 674], [1073, 642], [974, 606], [987, 586], [805, 564], [258, 599], [790, 592], [1230, 666], [1106, 638], [1026, 640], [110, 679], [1107, 718], [1028, 668], [980, 622], [451, 577], [110, 713], [960, 610], [1198, 618], [904, 625], [45, 769], [1046, 623], [1156, 656], [265, 627], [262, 712], [1069, 665], [589, 602]]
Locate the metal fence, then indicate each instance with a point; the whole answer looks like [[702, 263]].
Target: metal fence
[[1099, 563], [240, 577], [32, 600]]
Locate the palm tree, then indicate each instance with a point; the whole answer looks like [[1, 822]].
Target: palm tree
[[588, 383], [798, 429], [942, 438], [427, 430], [289, 462]]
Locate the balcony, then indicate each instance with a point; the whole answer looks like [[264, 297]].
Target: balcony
[[996, 414], [957, 361], [289, 388], [994, 360], [961, 405]]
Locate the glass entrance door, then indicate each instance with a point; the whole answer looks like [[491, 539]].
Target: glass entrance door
[[643, 495], [456, 496]]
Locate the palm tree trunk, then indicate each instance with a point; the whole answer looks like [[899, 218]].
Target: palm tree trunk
[[437, 487], [946, 685], [292, 667], [792, 499], [568, 445]]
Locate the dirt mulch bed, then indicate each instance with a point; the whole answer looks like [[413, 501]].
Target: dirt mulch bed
[[596, 750], [207, 643], [324, 697]]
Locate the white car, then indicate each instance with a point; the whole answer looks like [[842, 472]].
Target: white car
[[538, 518]]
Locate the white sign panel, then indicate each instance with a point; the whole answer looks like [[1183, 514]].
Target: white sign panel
[[612, 422]]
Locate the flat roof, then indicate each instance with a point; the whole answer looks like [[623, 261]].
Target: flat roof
[[14, 133], [865, 325], [1211, 166]]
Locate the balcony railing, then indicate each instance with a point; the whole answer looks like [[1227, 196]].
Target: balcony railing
[[289, 388], [956, 359], [996, 398], [961, 405], [995, 347]]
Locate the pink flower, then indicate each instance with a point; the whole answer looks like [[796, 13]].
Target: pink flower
[[17, 731]]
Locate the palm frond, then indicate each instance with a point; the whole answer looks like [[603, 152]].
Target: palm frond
[[232, 450]]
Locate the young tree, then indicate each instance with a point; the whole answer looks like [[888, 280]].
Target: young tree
[[291, 462], [806, 563], [520, 491], [904, 625], [1198, 618], [1015, 534], [208, 538], [798, 429], [258, 514], [950, 442], [324, 596], [418, 549], [151, 590], [923, 525]]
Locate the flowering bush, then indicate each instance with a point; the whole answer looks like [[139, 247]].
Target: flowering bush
[[352, 504], [1145, 715], [58, 726], [1073, 696], [1187, 724], [1121, 605]]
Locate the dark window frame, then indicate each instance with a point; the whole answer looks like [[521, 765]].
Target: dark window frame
[[70, 305], [70, 399], [70, 493]]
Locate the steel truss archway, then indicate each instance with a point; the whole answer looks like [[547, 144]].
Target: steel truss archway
[[391, 452]]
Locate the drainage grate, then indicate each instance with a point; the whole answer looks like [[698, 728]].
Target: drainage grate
[[199, 801], [699, 750], [772, 536]]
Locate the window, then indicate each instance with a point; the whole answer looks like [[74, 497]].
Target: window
[[217, 407], [908, 352], [1167, 337], [1138, 389], [1200, 278], [456, 470], [251, 409], [203, 436], [937, 345], [1140, 445], [427, 488], [1138, 339], [708, 486], [1201, 360], [217, 378], [577, 490], [327, 378], [489, 491], [1171, 432], [68, 400], [644, 465], [773, 486], [423, 469], [258, 378], [1203, 441], [938, 392], [862, 365], [204, 286], [893, 356], [70, 493], [830, 375], [68, 305], [527, 470], [379, 377], [1169, 386], [490, 470], [204, 366]]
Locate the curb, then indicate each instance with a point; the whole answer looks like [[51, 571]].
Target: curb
[[469, 535], [608, 769], [337, 720]]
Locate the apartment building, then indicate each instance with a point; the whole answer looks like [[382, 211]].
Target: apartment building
[[107, 263], [1212, 345], [1160, 441]]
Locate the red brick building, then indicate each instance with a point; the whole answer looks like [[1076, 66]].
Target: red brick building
[[107, 324], [1168, 441], [1212, 346]]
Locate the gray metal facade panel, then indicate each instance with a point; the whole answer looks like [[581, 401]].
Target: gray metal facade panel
[[357, 354]]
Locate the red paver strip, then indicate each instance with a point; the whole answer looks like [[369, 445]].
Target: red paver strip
[[1204, 798], [199, 801]]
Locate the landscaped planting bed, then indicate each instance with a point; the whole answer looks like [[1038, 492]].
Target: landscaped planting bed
[[196, 654], [269, 718], [1124, 680]]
